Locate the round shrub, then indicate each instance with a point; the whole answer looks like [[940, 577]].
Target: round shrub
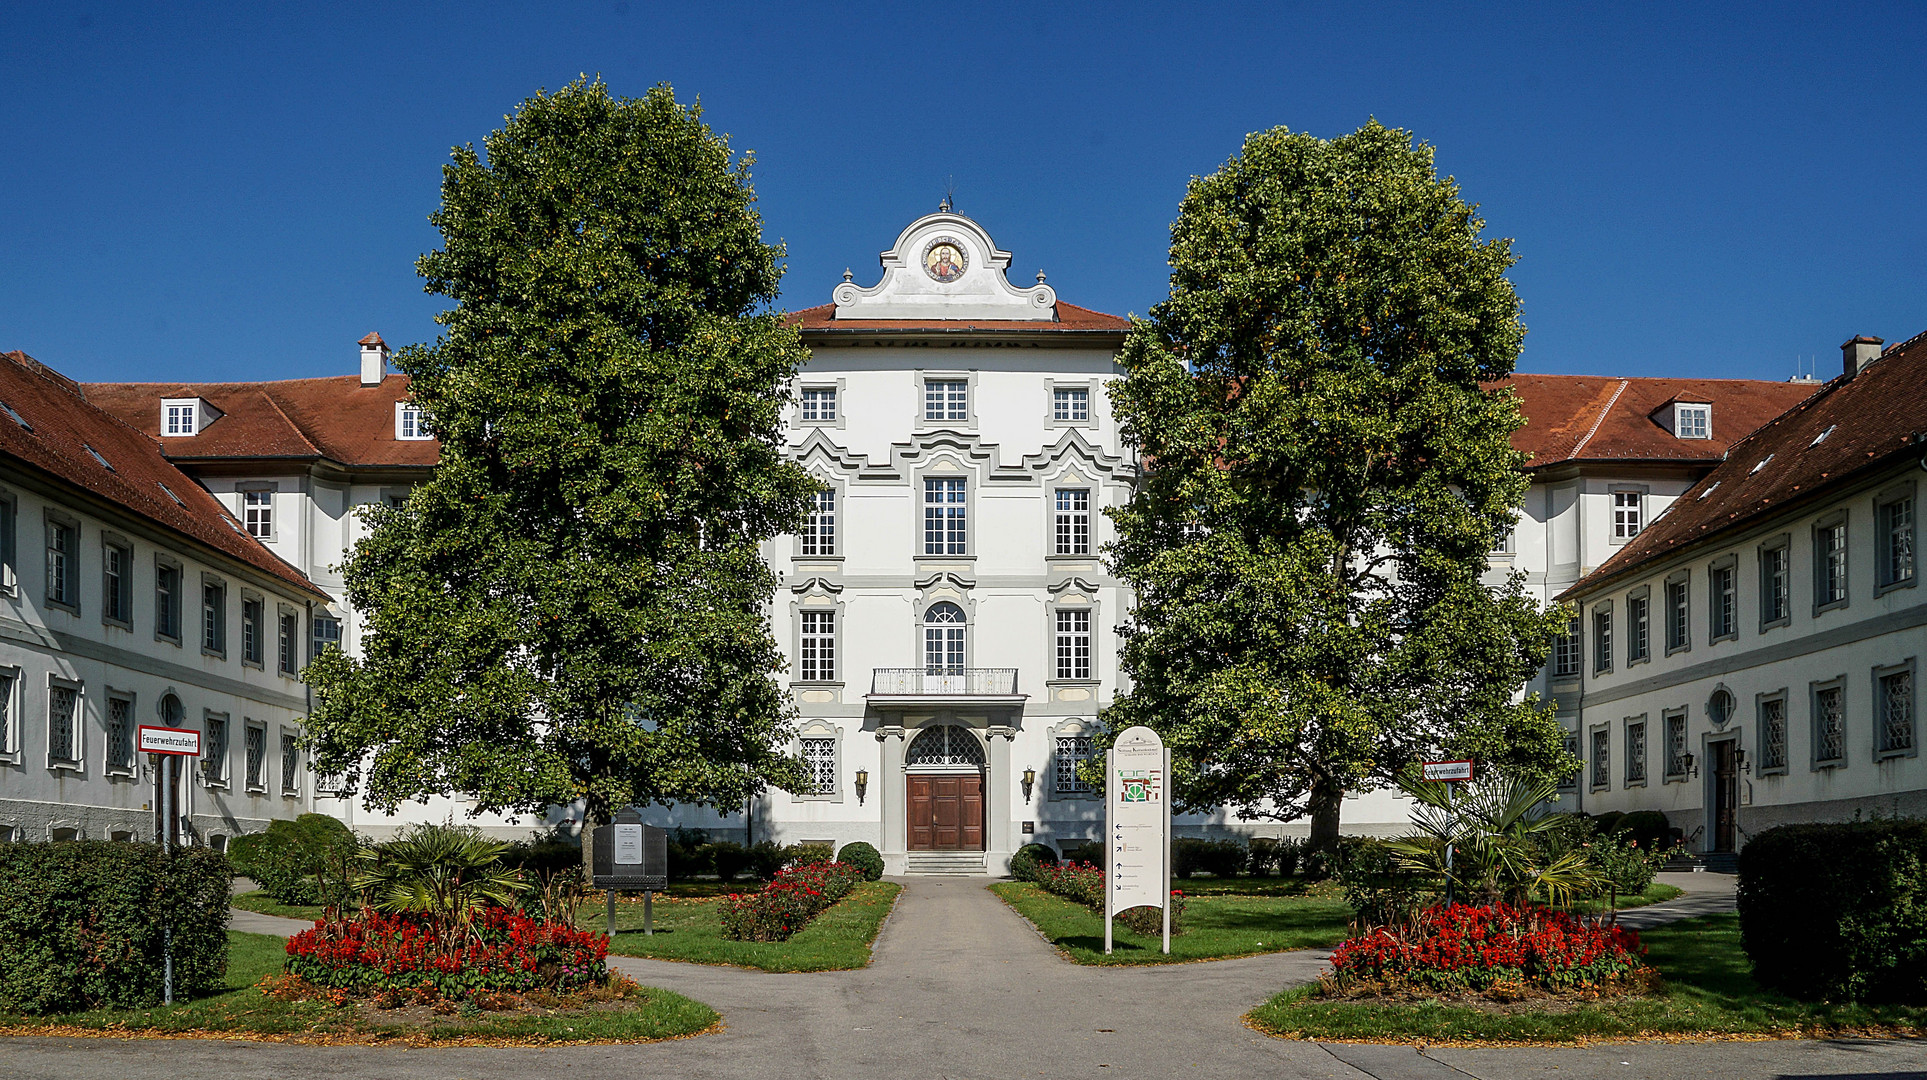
[[1024, 864], [864, 857], [729, 859]]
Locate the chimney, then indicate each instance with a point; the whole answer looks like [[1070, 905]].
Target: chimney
[[1857, 352], [374, 360]]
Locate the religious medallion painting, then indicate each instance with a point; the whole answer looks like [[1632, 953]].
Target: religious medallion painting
[[944, 260]]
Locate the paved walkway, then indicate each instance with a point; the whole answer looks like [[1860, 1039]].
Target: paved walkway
[[960, 986]]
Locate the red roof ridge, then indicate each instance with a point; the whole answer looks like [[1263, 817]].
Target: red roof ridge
[[1604, 411], [283, 414]]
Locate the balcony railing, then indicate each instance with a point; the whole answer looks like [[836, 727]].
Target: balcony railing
[[915, 682]]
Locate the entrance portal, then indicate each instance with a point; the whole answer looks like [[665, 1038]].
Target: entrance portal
[[946, 813], [1726, 795]]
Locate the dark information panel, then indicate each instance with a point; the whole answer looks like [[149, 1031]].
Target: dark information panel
[[630, 855]]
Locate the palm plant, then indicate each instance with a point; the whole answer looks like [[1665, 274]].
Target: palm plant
[[1503, 846], [443, 872]]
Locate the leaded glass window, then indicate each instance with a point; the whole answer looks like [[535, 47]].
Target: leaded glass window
[[1676, 744], [120, 734], [1636, 752], [1897, 712], [1072, 751], [290, 760], [1601, 758], [1773, 734], [214, 753], [62, 732], [255, 745], [819, 761], [947, 744], [1829, 725]]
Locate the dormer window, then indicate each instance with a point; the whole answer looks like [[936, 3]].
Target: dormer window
[[410, 424], [1693, 421], [186, 416]]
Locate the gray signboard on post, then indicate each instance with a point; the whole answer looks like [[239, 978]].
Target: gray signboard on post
[[630, 855]]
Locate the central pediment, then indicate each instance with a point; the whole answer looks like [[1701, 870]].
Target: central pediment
[[945, 266]]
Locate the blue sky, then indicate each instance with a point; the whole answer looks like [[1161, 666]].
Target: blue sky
[[209, 191]]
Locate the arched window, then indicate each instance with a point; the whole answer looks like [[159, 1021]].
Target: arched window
[[943, 639], [947, 744]]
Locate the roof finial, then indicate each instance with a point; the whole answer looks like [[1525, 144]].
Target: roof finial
[[949, 203], [1040, 277], [847, 276]]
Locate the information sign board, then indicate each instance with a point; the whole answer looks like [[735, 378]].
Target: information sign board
[[1446, 770], [169, 740], [630, 855], [1137, 841]]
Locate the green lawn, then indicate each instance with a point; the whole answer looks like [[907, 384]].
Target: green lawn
[[1708, 992], [1257, 886], [691, 930], [1655, 893], [260, 901], [1215, 927], [241, 1009]]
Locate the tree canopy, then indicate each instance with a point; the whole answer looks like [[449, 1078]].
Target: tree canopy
[[1327, 466], [574, 606]]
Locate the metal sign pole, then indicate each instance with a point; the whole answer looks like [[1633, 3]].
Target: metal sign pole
[[648, 913], [1110, 846], [1165, 877], [167, 930], [610, 893], [1454, 819]]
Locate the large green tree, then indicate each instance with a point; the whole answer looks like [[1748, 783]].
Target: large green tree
[[1326, 469], [573, 607]]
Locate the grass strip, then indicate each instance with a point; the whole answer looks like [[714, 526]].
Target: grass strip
[[240, 1009], [260, 902], [690, 930], [1709, 993], [1215, 927]]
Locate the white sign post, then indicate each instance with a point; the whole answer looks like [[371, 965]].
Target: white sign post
[[168, 745], [1137, 828], [1447, 772]]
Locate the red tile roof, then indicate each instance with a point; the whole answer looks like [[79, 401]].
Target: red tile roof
[[1870, 419], [335, 418], [1599, 418], [1070, 317], [65, 425]]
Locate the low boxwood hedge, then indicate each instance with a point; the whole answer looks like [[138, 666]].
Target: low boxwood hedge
[[1838, 912], [80, 924]]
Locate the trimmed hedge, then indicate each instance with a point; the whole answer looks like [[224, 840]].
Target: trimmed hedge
[[307, 860], [864, 857], [1024, 864], [80, 924], [1838, 912], [1219, 858]]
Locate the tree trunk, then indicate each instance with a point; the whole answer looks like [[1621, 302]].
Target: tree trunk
[[590, 819], [1326, 799]]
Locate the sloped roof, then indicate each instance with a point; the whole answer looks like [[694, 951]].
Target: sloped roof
[[65, 425], [1869, 418], [335, 418], [1070, 317], [1576, 418]]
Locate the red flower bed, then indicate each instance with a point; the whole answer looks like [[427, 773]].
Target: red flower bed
[[1475, 948], [370, 952], [788, 902], [1084, 884]]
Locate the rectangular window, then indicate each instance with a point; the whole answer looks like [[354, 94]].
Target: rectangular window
[[1602, 773], [117, 583], [1721, 602], [214, 754], [1571, 781], [213, 617], [1773, 734], [819, 760], [1676, 745], [819, 531], [1070, 404], [9, 541], [120, 734], [1627, 514], [943, 516], [327, 634], [1565, 650], [1503, 541], [1830, 564], [1073, 521], [63, 564], [1602, 640], [1775, 595], [1897, 542], [819, 404], [9, 731], [284, 652], [946, 399], [256, 750], [253, 632], [290, 761], [179, 420], [411, 424], [1895, 699], [1829, 725], [1639, 638], [257, 513], [1694, 421], [1073, 644], [1072, 751], [818, 647], [1635, 752], [1678, 629], [63, 728], [167, 601]]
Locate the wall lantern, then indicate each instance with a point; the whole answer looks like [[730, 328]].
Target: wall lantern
[[1689, 766], [1030, 781], [1739, 759], [862, 785]]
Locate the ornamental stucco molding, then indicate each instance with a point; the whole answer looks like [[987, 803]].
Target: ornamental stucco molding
[[945, 266]]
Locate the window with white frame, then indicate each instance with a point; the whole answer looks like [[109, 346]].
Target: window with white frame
[[1693, 421], [817, 648], [1894, 695], [1829, 725], [1070, 404], [819, 761], [63, 724], [288, 633], [1722, 604], [946, 400], [1635, 752], [9, 710], [1896, 542], [120, 734], [1602, 744], [1628, 514], [257, 513], [1639, 636], [116, 583], [1678, 628], [290, 764], [1830, 563], [255, 754], [1775, 594], [1772, 734], [1073, 521], [326, 635], [944, 521], [1602, 640], [819, 530], [819, 405], [1073, 643], [1676, 745], [253, 631], [214, 753], [9, 544], [1072, 751], [180, 416], [213, 617], [943, 639], [411, 424], [63, 564], [1565, 650]]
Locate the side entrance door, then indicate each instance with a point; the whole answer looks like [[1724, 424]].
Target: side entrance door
[[1726, 796], [946, 813]]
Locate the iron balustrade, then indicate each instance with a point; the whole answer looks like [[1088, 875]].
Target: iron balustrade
[[944, 681]]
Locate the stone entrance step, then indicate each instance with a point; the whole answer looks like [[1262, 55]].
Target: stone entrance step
[[944, 862]]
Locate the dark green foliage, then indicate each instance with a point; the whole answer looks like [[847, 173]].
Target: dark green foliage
[[1379, 889], [1647, 827], [1191, 856], [540, 860], [1838, 912], [309, 860], [1329, 467], [766, 857], [573, 607], [864, 857], [1261, 856], [1083, 851], [1608, 821], [729, 860], [805, 854], [1024, 864], [80, 924], [689, 854], [1290, 851]]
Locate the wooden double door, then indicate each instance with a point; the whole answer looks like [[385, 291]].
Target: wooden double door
[[946, 812], [1726, 796]]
